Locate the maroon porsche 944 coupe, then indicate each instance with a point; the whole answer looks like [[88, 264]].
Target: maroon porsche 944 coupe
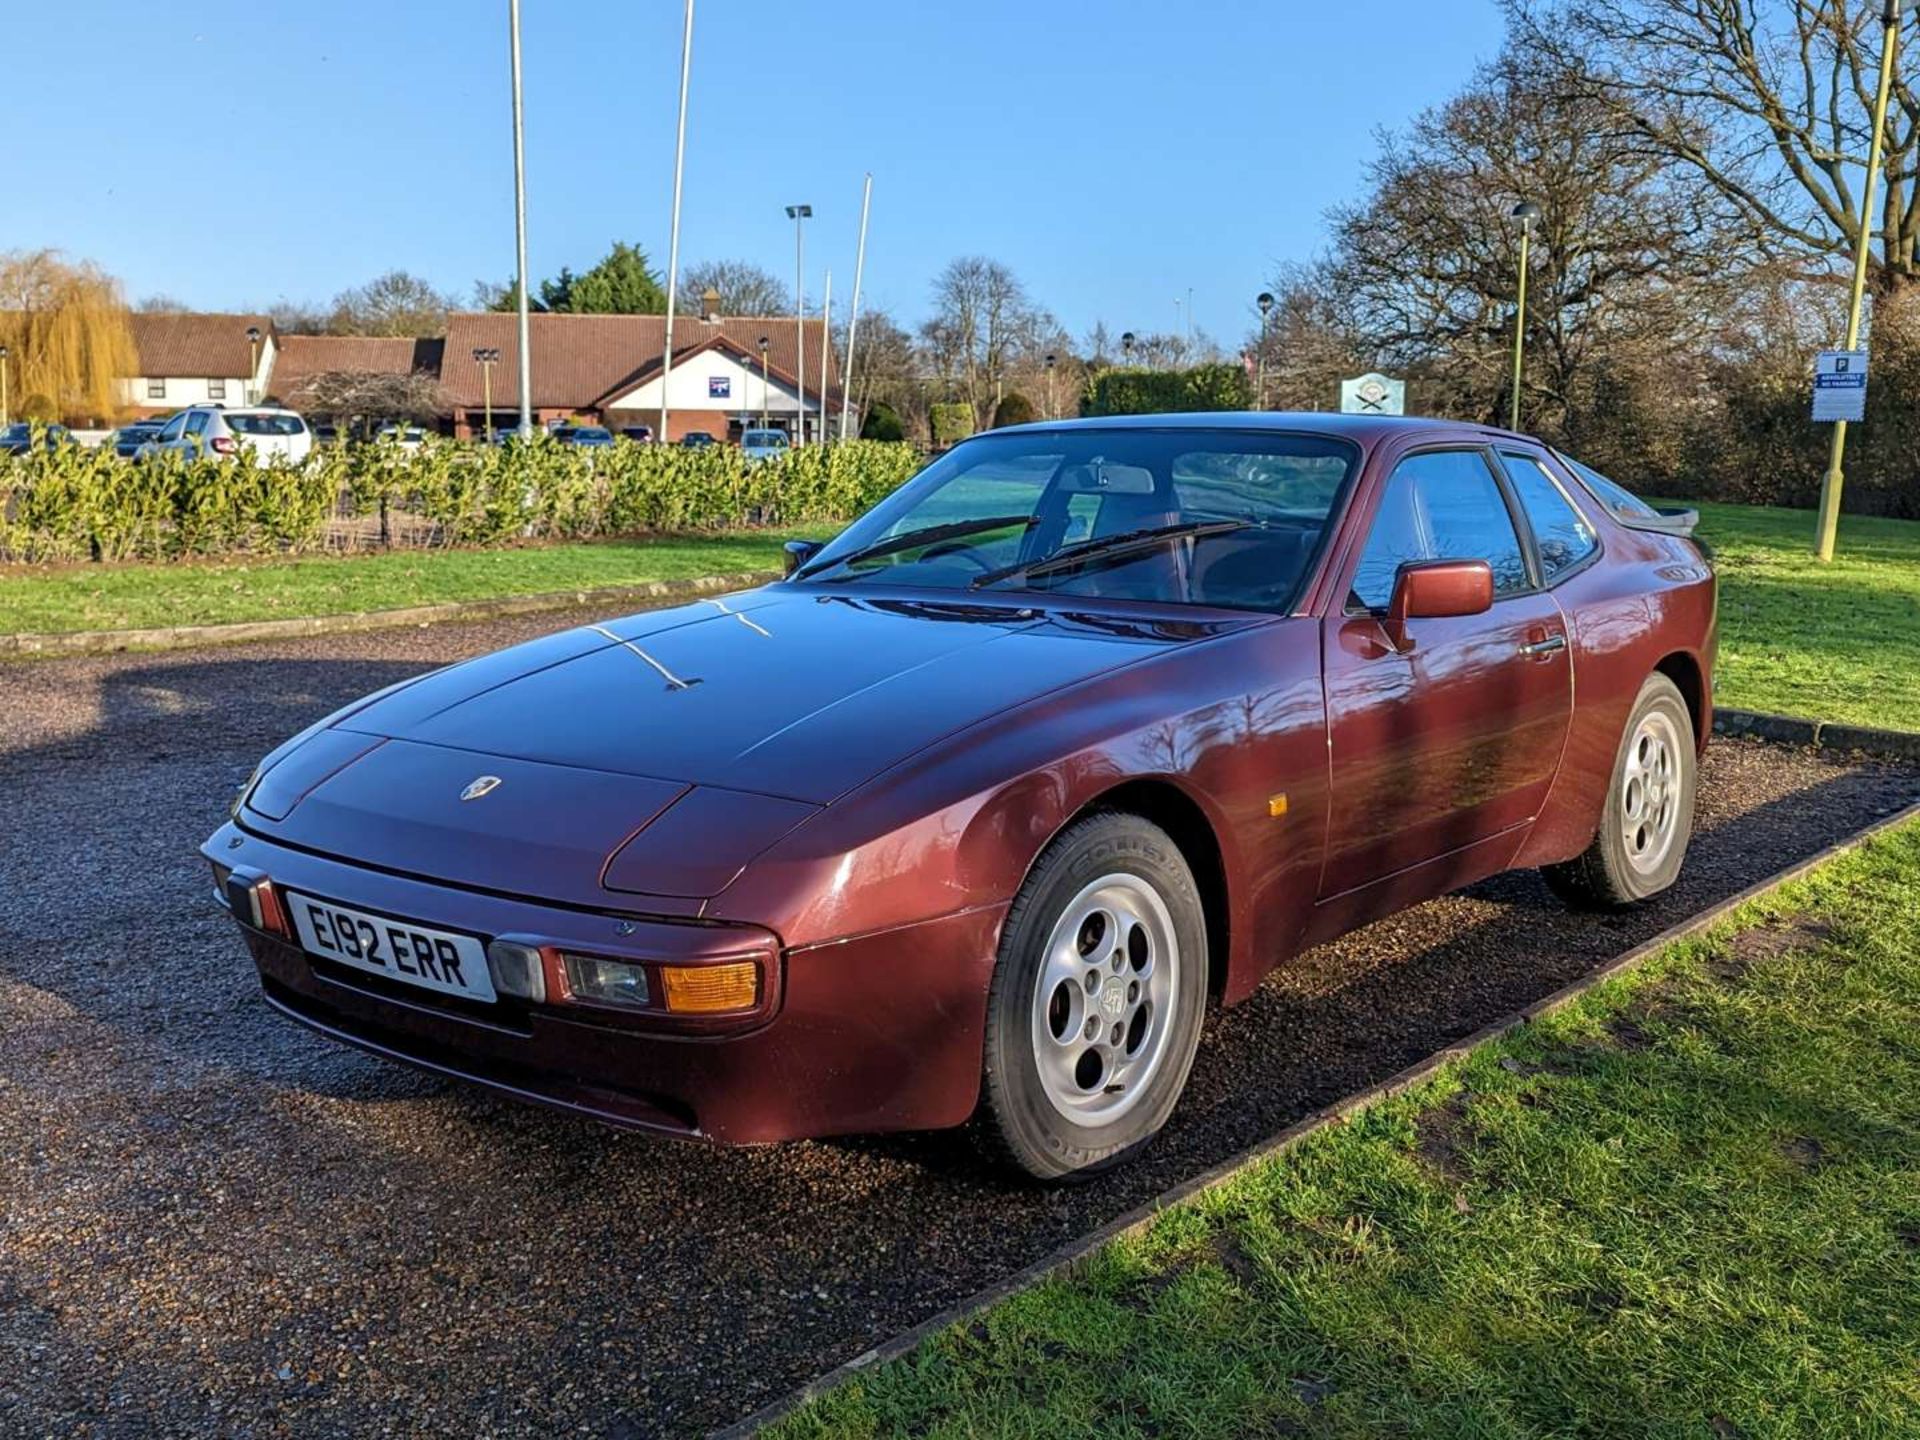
[[974, 813]]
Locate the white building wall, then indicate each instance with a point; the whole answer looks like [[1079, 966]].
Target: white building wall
[[185, 390], [691, 386]]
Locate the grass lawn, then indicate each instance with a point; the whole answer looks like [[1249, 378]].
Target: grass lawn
[[1687, 1206], [1830, 642], [116, 597]]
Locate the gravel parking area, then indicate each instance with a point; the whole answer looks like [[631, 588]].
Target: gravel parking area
[[213, 1223]]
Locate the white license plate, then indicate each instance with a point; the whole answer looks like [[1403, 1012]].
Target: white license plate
[[411, 954]]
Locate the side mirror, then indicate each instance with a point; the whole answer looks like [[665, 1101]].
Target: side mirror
[[796, 553], [1437, 590]]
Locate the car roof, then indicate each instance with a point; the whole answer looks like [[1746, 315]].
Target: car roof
[[1367, 429]]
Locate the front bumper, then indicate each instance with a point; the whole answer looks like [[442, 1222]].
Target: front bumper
[[877, 1032]]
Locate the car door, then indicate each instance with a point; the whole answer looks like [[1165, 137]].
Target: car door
[[170, 433], [1442, 748]]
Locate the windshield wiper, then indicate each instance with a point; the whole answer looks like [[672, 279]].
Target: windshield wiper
[[1110, 547], [914, 539]]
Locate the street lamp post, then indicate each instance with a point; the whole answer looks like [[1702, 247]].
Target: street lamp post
[[1836, 471], [1265, 301], [799, 214], [1526, 214], [248, 390], [6, 416], [487, 356], [525, 357], [763, 382], [1049, 360], [1126, 346]]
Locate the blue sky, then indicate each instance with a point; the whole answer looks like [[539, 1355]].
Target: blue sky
[[1114, 152]]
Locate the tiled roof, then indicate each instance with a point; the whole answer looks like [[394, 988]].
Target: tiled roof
[[195, 345], [580, 361], [301, 358]]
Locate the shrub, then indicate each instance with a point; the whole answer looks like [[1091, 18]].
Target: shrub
[[1159, 392], [883, 423], [951, 422], [77, 504], [1014, 409]]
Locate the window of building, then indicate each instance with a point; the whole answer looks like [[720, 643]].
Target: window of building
[[216, 389], [156, 389]]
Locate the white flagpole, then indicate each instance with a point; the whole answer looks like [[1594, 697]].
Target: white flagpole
[[673, 243], [853, 320]]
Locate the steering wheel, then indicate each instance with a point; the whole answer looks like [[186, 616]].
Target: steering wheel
[[963, 551]]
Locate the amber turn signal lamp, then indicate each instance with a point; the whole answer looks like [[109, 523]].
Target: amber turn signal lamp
[[710, 989], [254, 900]]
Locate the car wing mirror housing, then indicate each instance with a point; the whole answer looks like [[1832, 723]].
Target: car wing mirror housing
[[796, 553], [1437, 590]]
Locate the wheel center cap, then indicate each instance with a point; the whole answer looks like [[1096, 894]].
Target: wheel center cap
[[1113, 998]]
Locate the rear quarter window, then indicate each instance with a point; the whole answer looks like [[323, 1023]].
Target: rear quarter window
[[1616, 497]]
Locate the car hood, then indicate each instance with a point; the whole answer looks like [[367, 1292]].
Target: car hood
[[660, 753], [792, 691]]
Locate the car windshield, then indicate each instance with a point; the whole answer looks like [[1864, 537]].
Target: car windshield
[[593, 435], [1231, 518], [243, 424], [766, 439], [13, 434]]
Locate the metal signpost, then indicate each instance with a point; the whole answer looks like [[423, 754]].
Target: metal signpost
[[1373, 394], [1830, 487]]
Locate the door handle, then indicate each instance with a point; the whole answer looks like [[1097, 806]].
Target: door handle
[[1536, 648]]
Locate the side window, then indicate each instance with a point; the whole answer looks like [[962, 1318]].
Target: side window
[[196, 422], [1440, 505], [1562, 532]]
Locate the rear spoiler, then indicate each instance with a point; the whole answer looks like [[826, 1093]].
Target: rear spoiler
[[1665, 520]]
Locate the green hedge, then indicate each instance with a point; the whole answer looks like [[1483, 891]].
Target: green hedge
[[1167, 392], [79, 504]]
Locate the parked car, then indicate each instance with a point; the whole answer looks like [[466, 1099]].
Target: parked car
[[697, 440], [590, 435], [1083, 730], [128, 439], [262, 432], [407, 437], [17, 438], [639, 434], [763, 444]]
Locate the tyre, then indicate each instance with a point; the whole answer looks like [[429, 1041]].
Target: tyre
[[1648, 817], [1096, 1003]]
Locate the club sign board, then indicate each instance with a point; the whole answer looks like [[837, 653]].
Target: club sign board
[[1840, 385], [1373, 394]]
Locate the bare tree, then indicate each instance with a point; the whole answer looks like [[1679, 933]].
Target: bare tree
[[1632, 256], [1769, 102], [395, 303], [362, 399], [983, 320], [1308, 343], [744, 288]]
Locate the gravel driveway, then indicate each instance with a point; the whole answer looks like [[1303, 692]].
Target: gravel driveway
[[213, 1223]]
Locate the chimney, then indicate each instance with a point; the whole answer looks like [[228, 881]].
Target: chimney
[[710, 305]]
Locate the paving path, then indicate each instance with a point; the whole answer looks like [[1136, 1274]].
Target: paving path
[[214, 1223]]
